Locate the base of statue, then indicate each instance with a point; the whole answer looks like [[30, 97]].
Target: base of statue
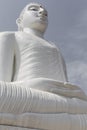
[[2, 127]]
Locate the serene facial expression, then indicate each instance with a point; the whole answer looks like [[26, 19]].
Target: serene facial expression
[[35, 17]]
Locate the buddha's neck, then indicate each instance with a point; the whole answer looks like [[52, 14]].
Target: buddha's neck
[[34, 32]]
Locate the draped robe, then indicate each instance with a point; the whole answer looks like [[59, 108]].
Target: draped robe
[[34, 90]]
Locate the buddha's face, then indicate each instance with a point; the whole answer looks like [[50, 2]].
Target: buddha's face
[[34, 17]]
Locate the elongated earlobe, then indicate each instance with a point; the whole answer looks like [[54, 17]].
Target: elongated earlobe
[[18, 21]]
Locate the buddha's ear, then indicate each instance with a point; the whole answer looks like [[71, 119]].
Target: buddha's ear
[[18, 21]]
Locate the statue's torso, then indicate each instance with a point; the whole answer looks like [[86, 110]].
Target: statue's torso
[[38, 58]]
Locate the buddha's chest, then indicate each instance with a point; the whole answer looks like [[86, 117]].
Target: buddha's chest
[[35, 47], [37, 60]]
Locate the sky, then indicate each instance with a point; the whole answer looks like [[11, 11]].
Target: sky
[[67, 29]]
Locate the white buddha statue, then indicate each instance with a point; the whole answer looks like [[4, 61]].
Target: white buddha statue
[[34, 91], [27, 51]]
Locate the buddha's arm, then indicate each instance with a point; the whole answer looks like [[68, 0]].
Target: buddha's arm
[[62, 66], [6, 56]]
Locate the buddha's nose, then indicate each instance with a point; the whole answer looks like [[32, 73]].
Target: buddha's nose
[[43, 12]]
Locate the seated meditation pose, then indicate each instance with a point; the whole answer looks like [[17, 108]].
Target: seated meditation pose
[[34, 90]]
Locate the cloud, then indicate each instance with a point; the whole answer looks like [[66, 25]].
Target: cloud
[[76, 48], [78, 73]]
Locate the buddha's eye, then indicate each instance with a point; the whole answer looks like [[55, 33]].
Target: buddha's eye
[[33, 8]]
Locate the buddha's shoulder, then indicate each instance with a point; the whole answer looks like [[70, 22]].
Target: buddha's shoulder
[[7, 38], [7, 33]]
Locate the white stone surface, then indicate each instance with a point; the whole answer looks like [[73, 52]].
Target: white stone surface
[[34, 90], [4, 127]]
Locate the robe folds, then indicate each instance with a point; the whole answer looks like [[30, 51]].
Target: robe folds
[[34, 91], [27, 108]]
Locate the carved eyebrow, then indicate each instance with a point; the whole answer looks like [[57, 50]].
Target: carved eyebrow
[[33, 6], [30, 7]]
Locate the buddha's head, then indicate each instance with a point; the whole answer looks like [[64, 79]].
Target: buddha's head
[[33, 16]]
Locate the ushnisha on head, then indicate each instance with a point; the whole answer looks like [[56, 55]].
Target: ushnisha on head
[[34, 16]]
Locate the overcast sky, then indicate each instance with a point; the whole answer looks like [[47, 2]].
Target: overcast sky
[[67, 29]]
